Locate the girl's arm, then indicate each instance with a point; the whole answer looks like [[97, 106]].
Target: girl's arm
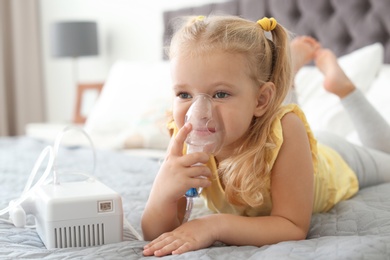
[[164, 210], [292, 199]]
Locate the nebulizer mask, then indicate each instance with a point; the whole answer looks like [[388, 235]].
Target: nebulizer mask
[[206, 136]]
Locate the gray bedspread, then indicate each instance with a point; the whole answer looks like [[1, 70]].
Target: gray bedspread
[[355, 229]]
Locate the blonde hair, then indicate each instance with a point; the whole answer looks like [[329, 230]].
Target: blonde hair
[[246, 173]]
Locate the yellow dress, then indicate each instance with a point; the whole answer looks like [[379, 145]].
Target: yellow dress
[[334, 180]]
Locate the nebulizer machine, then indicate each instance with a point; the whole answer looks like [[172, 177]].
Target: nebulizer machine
[[79, 213], [207, 136]]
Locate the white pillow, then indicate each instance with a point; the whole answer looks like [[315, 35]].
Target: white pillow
[[323, 110], [131, 109]]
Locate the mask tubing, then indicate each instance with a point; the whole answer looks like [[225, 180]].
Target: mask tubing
[[189, 206]]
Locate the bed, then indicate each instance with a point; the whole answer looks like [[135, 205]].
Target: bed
[[128, 130]]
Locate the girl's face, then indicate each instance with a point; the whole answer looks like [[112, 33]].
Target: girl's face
[[225, 77]]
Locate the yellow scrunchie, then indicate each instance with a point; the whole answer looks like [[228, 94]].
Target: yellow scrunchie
[[200, 18], [268, 24]]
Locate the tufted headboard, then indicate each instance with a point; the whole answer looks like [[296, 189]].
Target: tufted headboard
[[341, 25]]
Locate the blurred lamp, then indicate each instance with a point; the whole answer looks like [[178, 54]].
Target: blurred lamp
[[74, 39]]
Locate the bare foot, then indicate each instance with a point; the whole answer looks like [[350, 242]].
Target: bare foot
[[303, 49], [336, 81]]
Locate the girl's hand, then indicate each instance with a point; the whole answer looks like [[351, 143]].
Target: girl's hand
[[164, 210], [190, 236], [177, 174]]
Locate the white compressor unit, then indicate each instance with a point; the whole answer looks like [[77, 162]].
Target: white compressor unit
[[76, 214]]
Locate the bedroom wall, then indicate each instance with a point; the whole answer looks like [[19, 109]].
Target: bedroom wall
[[128, 29]]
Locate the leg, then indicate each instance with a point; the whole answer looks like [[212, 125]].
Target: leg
[[372, 128], [303, 49], [372, 167]]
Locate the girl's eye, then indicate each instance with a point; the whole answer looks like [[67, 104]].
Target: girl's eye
[[221, 95], [184, 95]]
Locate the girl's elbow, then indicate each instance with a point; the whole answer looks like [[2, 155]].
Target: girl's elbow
[[300, 234]]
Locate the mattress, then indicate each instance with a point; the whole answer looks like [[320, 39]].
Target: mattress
[[358, 228]]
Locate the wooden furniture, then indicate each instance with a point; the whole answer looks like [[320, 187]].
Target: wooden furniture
[[87, 95]]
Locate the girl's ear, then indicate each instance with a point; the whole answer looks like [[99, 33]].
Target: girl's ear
[[265, 95]]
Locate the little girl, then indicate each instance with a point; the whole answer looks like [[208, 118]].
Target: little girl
[[271, 174]]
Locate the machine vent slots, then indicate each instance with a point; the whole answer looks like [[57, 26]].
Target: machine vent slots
[[79, 236]]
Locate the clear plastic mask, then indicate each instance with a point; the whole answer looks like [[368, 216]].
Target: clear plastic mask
[[207, 128]]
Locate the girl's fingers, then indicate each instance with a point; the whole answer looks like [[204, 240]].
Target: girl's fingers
[[167, 244], [201, 182], [198, 171], [177, 144], [168, 248], [156, 247], [178, 141], [195, 159]]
